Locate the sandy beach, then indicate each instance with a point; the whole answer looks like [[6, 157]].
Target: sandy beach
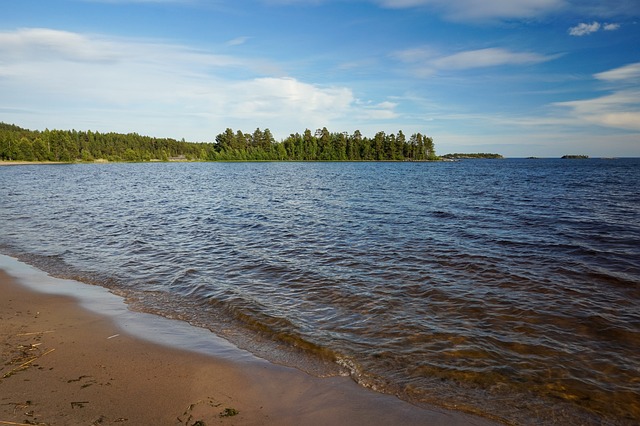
[[64, 365]]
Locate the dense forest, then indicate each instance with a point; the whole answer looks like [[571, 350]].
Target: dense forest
[[71, 145], [21, 144]]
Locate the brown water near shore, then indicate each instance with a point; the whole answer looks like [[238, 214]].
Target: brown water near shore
[[62, 364]]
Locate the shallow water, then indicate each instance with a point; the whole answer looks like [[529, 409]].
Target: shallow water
[[508, 288]]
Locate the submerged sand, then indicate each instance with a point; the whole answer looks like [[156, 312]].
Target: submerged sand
[[64, 365]]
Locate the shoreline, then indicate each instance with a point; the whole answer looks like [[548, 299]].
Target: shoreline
[[30, 163], [65, 364]]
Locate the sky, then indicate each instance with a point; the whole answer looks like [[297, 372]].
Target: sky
[[515, 77]]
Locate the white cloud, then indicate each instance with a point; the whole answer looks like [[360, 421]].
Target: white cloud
[[482, 9], [287, 97], [583, 29]]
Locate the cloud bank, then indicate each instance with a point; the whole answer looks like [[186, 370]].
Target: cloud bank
[[77, 77]]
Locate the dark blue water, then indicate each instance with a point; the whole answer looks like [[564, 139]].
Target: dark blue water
[[509, 288]]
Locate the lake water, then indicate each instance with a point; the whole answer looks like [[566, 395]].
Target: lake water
[[508, 288]]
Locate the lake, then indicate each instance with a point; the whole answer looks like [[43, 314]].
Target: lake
[[507, 288]]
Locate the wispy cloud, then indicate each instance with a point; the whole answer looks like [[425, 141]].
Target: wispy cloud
[[608, 9], [143, 1], [471, 10], [238, 41], [619, 109], [380, 111], [583, 29], [490, 57], [426, 62], [627, 73], [42, 44]]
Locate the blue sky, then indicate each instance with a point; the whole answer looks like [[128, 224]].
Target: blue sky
[[516, 77]]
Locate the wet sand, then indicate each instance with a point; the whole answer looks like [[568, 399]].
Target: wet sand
[[64, 365]]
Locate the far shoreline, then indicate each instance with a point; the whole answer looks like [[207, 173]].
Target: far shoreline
[[182, 161], [30, 163], [442, 159]]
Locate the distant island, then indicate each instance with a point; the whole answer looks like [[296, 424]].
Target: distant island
[[18, 144], [458, 156], [575, 157]]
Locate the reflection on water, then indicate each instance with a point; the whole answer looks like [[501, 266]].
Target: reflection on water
[[508, 288]]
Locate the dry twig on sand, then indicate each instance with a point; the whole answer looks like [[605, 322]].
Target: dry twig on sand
[[35, 332], [26, 364]]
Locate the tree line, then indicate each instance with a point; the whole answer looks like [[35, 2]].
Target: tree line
[[71, 145], [21, 144]]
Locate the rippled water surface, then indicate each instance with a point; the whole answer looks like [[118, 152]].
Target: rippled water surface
[[509, 288]]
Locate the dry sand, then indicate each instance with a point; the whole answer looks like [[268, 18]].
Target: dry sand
[[63, 365]]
